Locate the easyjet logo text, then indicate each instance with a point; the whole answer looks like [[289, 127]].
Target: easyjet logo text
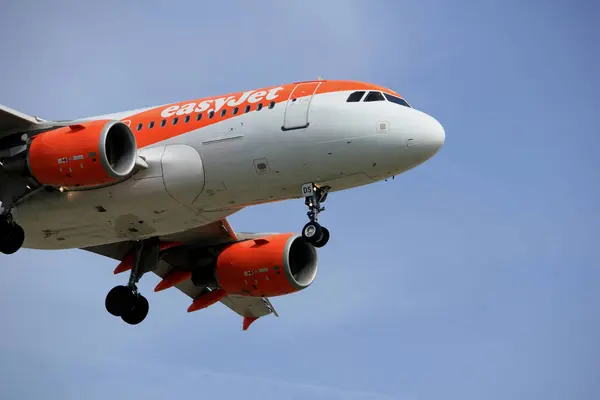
[[251, 96]]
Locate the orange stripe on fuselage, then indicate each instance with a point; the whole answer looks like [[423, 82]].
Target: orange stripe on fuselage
[[277, 94]]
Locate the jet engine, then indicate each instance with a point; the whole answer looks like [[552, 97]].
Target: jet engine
[[85, 154], [265, 267]]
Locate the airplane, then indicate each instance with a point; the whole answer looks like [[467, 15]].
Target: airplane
[[152, 188]]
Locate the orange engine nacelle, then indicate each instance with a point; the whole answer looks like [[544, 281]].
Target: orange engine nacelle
[[83, 154], [269, 266]]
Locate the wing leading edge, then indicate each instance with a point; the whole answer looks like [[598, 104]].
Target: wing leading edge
[[216, 233], [13, 120]]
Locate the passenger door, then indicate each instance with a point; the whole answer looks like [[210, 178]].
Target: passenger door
[[296, 110]]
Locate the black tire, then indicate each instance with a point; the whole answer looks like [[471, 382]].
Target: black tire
[[322, 241], [138, 313], [120, 300], [12, 237], [4, 228], [312, 231]]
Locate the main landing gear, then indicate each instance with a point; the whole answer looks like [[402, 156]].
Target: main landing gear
[[313, 232], [125, 301], [12, 235]]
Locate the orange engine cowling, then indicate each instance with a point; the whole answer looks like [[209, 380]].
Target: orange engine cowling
[[270, 266], [83, 154]]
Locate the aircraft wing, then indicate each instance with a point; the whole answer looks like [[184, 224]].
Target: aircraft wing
[[12, 120], [219, 232], [13, 124]]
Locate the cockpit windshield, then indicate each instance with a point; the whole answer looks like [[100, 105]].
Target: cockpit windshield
[[357, 96], [397, 100], [374, 96]]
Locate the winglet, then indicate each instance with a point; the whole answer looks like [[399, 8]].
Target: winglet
[[248, 321]]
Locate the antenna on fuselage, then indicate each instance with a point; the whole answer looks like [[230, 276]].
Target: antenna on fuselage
[[319, 78]]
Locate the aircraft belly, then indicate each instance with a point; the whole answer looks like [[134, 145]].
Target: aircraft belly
[[149, 204], [53, 223]]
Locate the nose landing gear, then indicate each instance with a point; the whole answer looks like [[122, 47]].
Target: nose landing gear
[[125, 301], [313, 232]]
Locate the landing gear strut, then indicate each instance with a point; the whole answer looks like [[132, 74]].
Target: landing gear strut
[[313, 232], [12, 235], [125, 301]]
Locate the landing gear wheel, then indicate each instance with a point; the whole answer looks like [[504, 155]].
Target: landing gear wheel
[[120, 300], [12, 237], [125, 301], [139, 311], [322, 241], [312, 231]]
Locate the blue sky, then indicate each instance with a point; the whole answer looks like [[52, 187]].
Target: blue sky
[[474, 276]]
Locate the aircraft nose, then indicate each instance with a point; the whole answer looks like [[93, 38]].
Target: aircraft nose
[[426, 137], [434, 135]]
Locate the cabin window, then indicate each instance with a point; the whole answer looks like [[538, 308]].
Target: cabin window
[[140, 125], [187, 119], [374, 96], [151, 125], [223, 112], [211, 115], [175, 120], [235, 110], [355, 97], [247, 108], [259, 106], [271, 105], [163, 122], [199, 117]]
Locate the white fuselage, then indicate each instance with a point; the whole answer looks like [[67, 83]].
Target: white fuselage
[[209, 173]]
